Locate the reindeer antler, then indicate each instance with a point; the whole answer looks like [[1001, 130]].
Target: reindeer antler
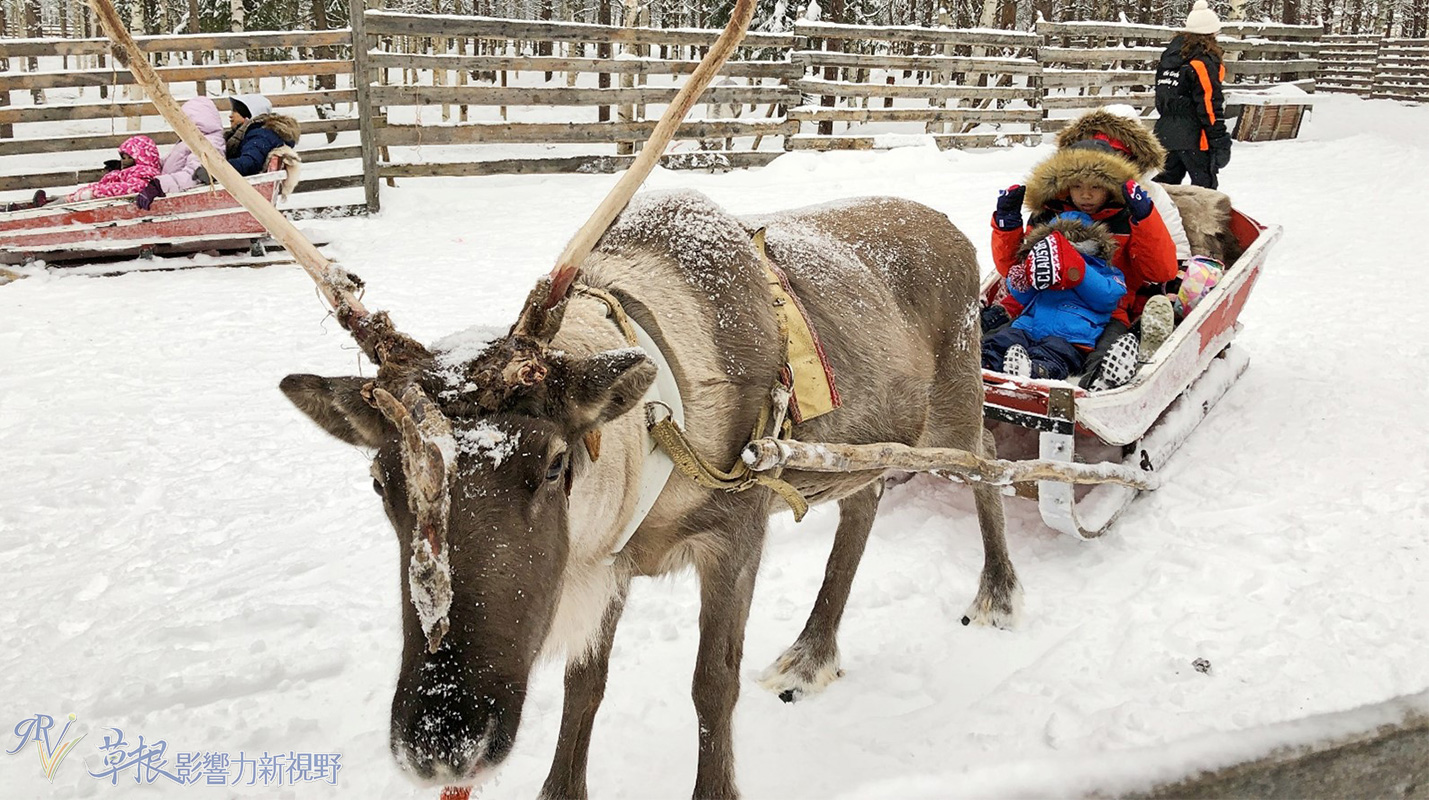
[[595, 227]]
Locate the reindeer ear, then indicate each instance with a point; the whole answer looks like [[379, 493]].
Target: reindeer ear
[[336, 405], [606, 385]]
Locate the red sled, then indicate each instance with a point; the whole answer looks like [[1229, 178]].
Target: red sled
[[201, 219], [1141, 423]]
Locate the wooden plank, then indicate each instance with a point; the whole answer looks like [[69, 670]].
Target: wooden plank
[[930, 91], [1271, 30], [1113, 29], [49, 180], [573, 132], [252, 40], [1235, 46], [944, 141], [329, 183], [986, 38], [637, 66], [449, 25], [170, 75], [341, 153], [111, 141], [1006, 66], [1305, 65], [1086, 78], [53, 113], [1097, 55], [563, 96], [583, 164], [955, 115], [1138, 99]]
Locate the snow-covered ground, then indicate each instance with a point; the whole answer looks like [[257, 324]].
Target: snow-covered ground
[[188, 558]]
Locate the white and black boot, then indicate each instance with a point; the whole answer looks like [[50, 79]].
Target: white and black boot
[[1158, 319], [1017, 361], [1119, 364]]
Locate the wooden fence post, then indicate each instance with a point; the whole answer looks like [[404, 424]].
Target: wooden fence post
[[362, 82]]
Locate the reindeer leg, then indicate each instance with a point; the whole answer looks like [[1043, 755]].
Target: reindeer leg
[[726, 588], [999, 597], [585, 688], [812, 661]]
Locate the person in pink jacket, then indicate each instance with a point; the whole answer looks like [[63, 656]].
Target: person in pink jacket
[[177, 171], [138, 162]]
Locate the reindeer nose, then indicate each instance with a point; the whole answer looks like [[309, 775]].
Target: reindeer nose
[[450, 736]]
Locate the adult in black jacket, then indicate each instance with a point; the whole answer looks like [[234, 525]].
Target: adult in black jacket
[[1192, 126]]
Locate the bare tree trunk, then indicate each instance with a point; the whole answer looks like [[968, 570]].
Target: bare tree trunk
[[194, 27], [1292, 12], [7, 131], [626, 113], [602, 50], [33, 29]]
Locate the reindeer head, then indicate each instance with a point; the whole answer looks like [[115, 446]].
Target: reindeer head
[[475, 461]]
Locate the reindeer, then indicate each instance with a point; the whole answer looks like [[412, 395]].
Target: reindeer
[[514, 472]]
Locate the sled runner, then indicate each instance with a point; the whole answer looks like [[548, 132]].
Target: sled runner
[[1147, 418], [198, 220]]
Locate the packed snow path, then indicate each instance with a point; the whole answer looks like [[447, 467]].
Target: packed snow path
[[187, 557]]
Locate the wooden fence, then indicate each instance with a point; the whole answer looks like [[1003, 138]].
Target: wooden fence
[[64, 122], [948, 81], [1375, 66], [609, 82], [466, 95]]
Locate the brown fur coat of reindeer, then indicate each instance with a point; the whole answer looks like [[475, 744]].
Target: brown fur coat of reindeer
[[891, 286]]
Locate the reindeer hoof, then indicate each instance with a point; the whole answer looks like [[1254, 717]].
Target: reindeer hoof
[[997, 609], [798, 674]]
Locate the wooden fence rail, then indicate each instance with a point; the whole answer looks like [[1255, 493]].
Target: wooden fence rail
[[470, 95]]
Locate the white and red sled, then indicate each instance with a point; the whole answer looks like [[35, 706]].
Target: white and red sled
[[1130, 431], [1148, 418], [201, 219]]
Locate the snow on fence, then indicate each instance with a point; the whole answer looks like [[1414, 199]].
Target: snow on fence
[[1375, 66], [1091, 64], [76, 109]]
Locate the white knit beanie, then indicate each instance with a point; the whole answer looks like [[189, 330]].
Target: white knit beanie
[[1202, 19]]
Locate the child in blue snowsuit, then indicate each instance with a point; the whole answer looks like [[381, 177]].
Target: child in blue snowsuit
[[1068, 289]]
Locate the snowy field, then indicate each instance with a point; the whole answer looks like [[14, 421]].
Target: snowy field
[[187, 558]]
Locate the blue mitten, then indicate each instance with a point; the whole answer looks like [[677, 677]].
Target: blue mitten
[[1008, 216], [1138, 202]]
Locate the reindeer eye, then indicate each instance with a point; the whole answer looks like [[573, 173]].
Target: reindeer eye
[[377, 487], [557, 468]]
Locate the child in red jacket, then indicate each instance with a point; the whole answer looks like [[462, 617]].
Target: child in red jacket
[[1090, 177]]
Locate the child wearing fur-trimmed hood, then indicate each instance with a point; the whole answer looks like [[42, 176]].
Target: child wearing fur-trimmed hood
[[1066, 290], [1092, 177]]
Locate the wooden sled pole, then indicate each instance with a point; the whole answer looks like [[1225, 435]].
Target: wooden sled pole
[[338, 287], [765, 454]]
